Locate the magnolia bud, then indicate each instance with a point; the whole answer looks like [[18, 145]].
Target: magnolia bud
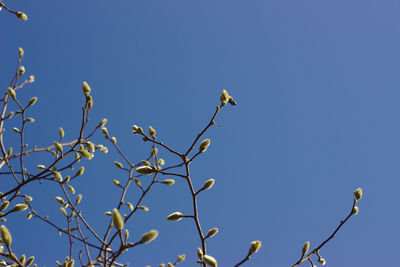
[[168, 181], [152, 132], [118, 164], [116, 182], [19, 207], [21, 70], [255, 246], [305, 248], [63, 211], [80, 171], [208, 184], [224, 98], [86, 88], [355, 210], [181, 258], [126, 234], [58, 146], [146, 170], [60, 200], [117, 220], [176, 216], [61, 132], [212, 232], [6, 236], [170, 264], [103, 122], [30, 260], [204, 145], [71, 189], [358, 194], [57, 176], [78, 199], [322, 261], [21, 52], [12, 93], [32, 101], [200, 253], [210, 260], [22, 16], [31, 78], [4, 205], [148, 237]]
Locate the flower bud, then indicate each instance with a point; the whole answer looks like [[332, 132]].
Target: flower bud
[[86, 88], [63, 211], [6, 236], [4, 205], [145, 208], [148, 237], [104, 131], [126, 234], [41, 167], [71, 189], [212, 232], [210, 260], [170, 264], [60, 200], [358, 194], [103, 122], [32, 101], [58, 176], [116, 182], [21, 70], [21, 52], [208, 184], [355, 210], [152, 132], [117, 220], [12, 93], [176, 216], [22, 16], [181, 258], [19, 207], [31, 120], [118, 164], [255, 246], [58, 146], [305, 248], [146, 170], [61, 132], [204, 145], [224, 98], [90, 146], [130, 206], [78, 199], [30, 260], [107, 213], [22, 259], [80, 171], [31, 78], [168, 181], [322, 261], [86, 154], [29, 216]]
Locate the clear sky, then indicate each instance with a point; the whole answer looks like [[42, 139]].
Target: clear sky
[[317, 86]]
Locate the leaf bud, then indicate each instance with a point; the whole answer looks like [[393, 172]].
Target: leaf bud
[[358, 194], [29, 216], [22, 16], [176, 216], [104, 131], [161, 161], [15, 129], [130, 205], [6, 236], [114, 140], [86, 154], [204, 145], [22, 259], [86, 88], [10, 115], [117, 220], [211, 261], [149, 236]]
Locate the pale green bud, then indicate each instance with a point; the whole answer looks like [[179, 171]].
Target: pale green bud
[[200, 253], [145, 208], [90, 146], [86, 154], [358, 194], [176, 216], [60, 200], [21, 52], [63, 211], [15, 129], [224, 98], [149, 236], [114, 140], [41, 167], [146, 163], [6, 236], [104, 131], [31, 78], [117, 220], [181, 258], [21, 70], [126, 234], [204, 145], [211, 261], [57, 176], [71, 189], [22, 259], [10, 115], [130, 205], [137, 182], [71, 263], [161, 161], [31, 120], [170, 264]]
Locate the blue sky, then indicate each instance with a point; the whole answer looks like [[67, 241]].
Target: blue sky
[[317, 87]]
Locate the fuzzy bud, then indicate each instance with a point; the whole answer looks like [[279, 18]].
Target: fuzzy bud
[[58, 146], [255, 246], [4, 205], [305, 249], [103, 122], [21, 52], [80, 171], [212, 232], [152, 132], [21, 70], [208, 184], [358, 194], [117, 220], [355, 210], [149, 236], [176, 216], [168, 181], [78, 199], [146, 170], [61, 132], [181, 258], [224, 98], [6, 236], [63, 211], [31, 79], [12, 93], [19, 207], [58, 176], [116, 182], [118, 165], [22, 16], [200, 253], [60, 200], [86, 88], [322, 261], [211, 261], [204, 145], [32, 101]]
